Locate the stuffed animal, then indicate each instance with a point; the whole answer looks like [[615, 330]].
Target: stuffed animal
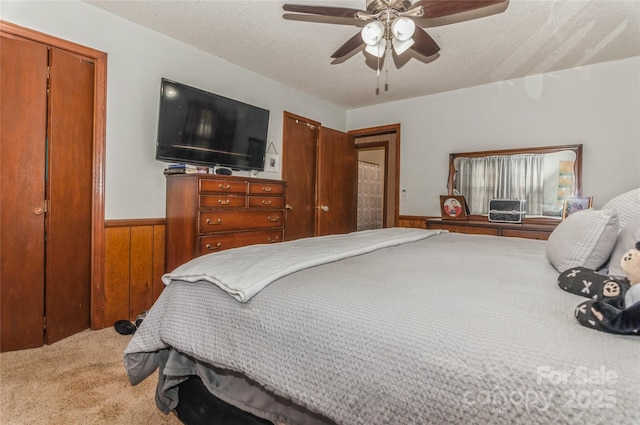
[[615, 303]]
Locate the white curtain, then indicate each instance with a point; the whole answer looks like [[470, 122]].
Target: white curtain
[[480, 179], [370, 193]]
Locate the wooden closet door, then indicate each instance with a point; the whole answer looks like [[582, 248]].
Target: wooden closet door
[[337, 183], [299, 155], [23, 114], [68, 247]]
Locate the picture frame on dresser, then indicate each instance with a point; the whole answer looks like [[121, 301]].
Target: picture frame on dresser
[[573, 205], [453, 207]]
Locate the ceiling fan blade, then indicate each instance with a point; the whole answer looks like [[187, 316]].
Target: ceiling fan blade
[[423, 43], [352, 44], [440, 8], [339, 12]]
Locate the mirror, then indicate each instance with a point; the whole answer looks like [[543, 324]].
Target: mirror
[[543, 176]]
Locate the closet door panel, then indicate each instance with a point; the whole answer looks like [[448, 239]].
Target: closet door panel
[[299, 159], [70, 187], [337, 183], [23, 105]]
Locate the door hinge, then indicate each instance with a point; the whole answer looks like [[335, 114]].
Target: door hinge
[[44, 323], [46, 205]]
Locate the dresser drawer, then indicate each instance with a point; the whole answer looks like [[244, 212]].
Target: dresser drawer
[[217, 221], [532, 230], [215, 201], [223, 186], [266, 188], [471, 230], [266, 201], [214, 243], [529, 234]]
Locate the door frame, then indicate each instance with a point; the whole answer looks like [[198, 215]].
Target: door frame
[[377, 131], [98, 160]]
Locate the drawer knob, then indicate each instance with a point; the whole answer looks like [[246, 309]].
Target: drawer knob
[[270, 239], [213, 248], [224, 201], [273, 219], [226, 186], [213, 223], [266, 202], [266, 188]]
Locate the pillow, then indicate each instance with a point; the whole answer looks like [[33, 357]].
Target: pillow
[[585, 238], [627, 205], [627, 239]]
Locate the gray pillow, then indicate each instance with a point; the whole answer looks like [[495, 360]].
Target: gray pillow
[[627, 239], [627, 205], [585, 238]]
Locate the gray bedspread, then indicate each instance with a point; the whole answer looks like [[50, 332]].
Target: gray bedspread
[[462, 329]]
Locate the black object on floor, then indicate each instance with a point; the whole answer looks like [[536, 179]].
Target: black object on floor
[[198, 406], [125, 327]]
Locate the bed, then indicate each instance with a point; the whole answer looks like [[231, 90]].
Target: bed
[[390, 326]]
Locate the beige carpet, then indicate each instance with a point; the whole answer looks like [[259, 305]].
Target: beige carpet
[[79, 380]]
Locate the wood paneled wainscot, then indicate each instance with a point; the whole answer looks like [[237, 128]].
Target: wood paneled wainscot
[[529, 230], [134, 264], [413, 221], [208, 213]]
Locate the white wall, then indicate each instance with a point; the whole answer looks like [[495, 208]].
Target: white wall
[[597, 105], [137, 59]]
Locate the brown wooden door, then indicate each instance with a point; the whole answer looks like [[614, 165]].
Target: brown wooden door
[[319, 166], [299, 156], [68, 246], [45, 153], [23, 115], [337, 183]]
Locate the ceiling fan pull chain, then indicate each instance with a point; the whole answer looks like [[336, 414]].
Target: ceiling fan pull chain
[[386, 79], [378, 76], [386, 68]]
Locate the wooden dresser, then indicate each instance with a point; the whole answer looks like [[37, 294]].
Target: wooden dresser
[[208, 213], [529, 230]]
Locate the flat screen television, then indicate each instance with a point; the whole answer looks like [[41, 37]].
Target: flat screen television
[[200, 128]]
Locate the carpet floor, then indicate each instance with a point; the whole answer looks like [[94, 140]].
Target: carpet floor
[[79, 380]]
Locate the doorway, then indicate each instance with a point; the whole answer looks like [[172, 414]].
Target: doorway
[[378, 142], [372, 187]]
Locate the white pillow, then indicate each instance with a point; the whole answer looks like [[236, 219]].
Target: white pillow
[[627, 205], [627, 239], [585, 238]]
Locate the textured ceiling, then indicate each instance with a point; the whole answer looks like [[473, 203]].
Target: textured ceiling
[[528, 37]]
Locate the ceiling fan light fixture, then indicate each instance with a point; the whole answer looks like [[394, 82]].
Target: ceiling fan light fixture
[[373, 33], [401, 46], [378, 49], [403, 28]]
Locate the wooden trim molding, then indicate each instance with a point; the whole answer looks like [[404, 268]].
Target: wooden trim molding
[[99, 142], [395, 129], [132, 222]]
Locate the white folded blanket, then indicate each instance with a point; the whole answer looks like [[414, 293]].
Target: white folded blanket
[[243, 272]]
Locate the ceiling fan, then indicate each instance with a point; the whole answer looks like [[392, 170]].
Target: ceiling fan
[[390, 23]]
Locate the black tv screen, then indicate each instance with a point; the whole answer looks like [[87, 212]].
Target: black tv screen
[[201, 128]]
